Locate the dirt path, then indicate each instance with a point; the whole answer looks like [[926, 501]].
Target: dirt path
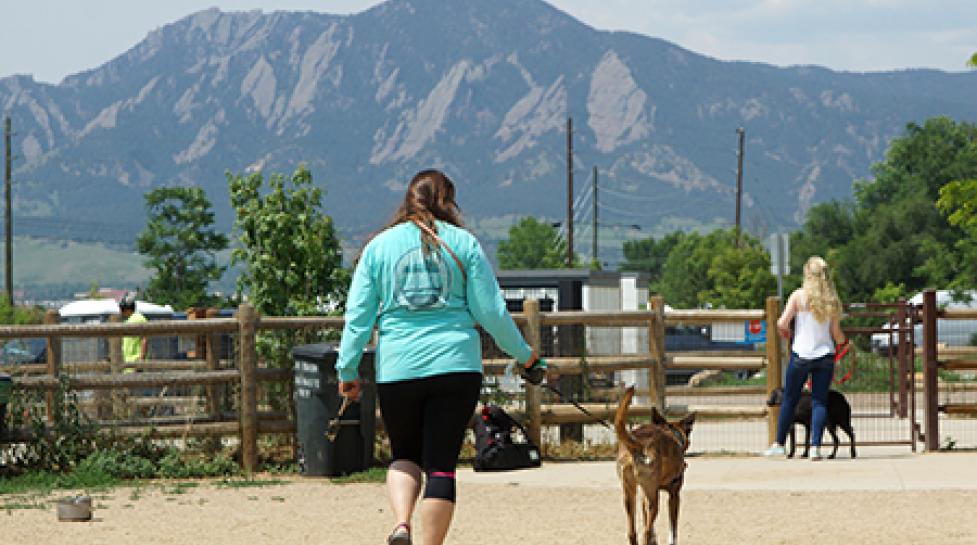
[[517, 509]]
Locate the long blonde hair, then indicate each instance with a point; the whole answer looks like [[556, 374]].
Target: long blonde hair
[[822, 299]]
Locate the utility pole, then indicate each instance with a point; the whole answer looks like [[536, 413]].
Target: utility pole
[[739, 182], [569, 192], [7, 221], [596, 257]]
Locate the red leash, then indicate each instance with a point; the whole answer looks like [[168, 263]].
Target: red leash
[[840, 352]]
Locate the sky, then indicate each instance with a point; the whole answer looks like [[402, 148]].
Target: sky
[[55, 38]]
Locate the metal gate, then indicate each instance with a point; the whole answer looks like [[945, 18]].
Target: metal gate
[[878, 376]]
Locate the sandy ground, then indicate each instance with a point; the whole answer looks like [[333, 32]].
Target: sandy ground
[[922, 499]]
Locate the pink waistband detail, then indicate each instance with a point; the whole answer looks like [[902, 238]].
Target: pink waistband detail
[[448, 474]]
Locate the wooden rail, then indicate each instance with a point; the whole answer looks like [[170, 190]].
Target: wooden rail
[[969, 409], [105, 366], [144, 329], [698, 317], [724, 363], [958, 364], [566, 414], [958, 314]]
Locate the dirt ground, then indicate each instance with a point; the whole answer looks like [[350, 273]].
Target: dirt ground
[[515, 508]]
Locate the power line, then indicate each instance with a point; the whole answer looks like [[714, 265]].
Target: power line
[[609, 208], [8, 222], [739, 180], [569, 192], [624, 195]]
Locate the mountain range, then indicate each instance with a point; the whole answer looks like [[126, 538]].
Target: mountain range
[[479, 88]]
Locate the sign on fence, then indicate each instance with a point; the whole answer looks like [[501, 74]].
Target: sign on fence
[[755, 331]]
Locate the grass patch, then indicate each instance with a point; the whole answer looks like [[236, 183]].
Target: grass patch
[[574, 451], [729, 379], [249, 483], [179, 488], [45, 482], [22, 503], [372, 475]]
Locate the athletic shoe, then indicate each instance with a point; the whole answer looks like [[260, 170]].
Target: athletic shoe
[[774, 450], [400, 535], [815, 455]]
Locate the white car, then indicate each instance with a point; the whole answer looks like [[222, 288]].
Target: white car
[[948, 332]]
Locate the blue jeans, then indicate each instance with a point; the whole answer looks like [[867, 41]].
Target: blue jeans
[[820, 370]]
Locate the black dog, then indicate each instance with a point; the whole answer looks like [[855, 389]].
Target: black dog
[[839, 416]]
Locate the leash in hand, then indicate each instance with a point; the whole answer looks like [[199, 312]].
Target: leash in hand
[[332, 429], [535, 373]]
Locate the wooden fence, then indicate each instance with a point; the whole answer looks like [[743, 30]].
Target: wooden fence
[[936, 358], [246, 372]]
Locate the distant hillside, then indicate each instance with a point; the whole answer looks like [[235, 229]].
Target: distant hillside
[[480, 88], [50, 269]]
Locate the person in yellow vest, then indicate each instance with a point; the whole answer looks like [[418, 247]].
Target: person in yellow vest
[[133, 348]]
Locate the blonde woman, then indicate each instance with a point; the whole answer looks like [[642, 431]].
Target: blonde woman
[[816, 312]]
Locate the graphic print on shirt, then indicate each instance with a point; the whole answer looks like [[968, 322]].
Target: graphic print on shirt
[[422, 280]]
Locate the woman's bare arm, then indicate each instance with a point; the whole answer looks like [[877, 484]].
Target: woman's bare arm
[[790, 310], [836, 333]]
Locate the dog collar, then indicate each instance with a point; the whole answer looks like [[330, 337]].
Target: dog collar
[[679, 436]]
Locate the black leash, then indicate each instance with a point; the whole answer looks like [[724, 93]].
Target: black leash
[[579, 407]]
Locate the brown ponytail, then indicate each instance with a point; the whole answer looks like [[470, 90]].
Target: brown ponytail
[[430, 196]]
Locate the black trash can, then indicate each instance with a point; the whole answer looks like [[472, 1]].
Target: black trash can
[[317, 401], [5, 386]]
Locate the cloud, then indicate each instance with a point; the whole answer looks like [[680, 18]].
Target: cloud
[[839, 34]]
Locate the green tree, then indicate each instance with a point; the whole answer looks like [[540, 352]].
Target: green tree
[[892, 233], [19, 315], [532, 245], [685, 271], [973, 61], [958, 201], [739, 277], [181, 246], [292, 256], [649, 254], [711, 270]]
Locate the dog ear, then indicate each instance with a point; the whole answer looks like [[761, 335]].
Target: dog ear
[[687, 423], [657, 418]]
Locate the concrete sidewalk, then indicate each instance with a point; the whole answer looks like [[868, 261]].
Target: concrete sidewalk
[[875, 469]]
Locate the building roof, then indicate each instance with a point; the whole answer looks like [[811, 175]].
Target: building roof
[[553, 277], [108, 307]]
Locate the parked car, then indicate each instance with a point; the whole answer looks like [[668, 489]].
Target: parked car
[[33, 350], [693, 338], [948, 332]]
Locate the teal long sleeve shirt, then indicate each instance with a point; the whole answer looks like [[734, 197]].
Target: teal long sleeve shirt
[[424, 309]]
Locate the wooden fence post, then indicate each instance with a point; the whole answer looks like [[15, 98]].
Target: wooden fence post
[[904, 357], [775, 371], [211, 347], [248, 407], [51, 317], [656, 346], [116, 366], [930, 385], [530, 308]]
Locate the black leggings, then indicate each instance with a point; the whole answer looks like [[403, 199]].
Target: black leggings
[[426, 420]]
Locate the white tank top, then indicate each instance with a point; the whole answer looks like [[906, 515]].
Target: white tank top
[[812, 339]]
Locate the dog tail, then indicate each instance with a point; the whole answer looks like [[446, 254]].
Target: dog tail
[[621, 422]]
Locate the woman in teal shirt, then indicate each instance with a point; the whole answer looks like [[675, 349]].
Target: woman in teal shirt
[[425, 282]]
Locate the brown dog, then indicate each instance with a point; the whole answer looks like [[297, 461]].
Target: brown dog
[[651, 456]]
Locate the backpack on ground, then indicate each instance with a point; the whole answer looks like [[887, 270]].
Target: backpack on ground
[[495, 447]]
